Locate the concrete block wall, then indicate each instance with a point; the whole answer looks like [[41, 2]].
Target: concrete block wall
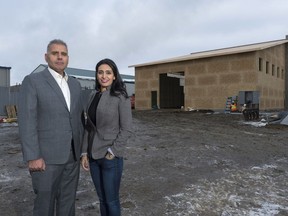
[[209, 81], [145, 82], [272, 87], [221, 77]]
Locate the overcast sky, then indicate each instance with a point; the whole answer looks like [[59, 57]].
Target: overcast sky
[[132, 31]]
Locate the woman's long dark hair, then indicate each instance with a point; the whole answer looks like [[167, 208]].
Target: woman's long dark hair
[[118, 86]]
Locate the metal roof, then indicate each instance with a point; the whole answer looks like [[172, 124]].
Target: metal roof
[[3, 67], [218, 52], [81, 73]]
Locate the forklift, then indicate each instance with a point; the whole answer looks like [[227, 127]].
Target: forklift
[[249, 100]]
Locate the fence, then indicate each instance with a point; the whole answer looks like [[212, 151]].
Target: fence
[[9, 96]]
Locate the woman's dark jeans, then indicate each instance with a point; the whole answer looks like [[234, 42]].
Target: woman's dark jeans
[[106, 175]]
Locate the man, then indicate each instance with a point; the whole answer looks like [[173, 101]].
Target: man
[[49, 115]]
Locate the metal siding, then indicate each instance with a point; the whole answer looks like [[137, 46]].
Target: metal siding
[[4, 77], [4, 100], [241, 98], [286, 78], [217, 52], [130, 87]]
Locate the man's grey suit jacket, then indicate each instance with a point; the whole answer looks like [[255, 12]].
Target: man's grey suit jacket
[[45, 124]]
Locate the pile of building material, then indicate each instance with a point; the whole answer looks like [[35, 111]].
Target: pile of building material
[[11, 114]]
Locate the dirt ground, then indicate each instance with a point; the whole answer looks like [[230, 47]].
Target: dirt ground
[[177, 163]]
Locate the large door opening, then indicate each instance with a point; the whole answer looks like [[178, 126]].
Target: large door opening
[[171, 88]]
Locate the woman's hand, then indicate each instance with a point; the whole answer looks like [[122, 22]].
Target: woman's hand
[[85, 162]]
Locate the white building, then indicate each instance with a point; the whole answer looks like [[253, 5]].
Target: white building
[[87, 78]]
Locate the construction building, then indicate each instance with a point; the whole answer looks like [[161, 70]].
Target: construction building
[[204, 80]]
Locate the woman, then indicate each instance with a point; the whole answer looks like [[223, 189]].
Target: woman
[[108, 127]]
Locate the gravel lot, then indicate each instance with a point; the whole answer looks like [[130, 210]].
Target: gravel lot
[[177, 163]]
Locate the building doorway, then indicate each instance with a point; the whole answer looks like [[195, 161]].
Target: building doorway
[[154, 100], [171, 88]]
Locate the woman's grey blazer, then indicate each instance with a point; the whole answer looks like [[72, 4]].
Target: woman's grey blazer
[[46, 125], [113, 126]]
